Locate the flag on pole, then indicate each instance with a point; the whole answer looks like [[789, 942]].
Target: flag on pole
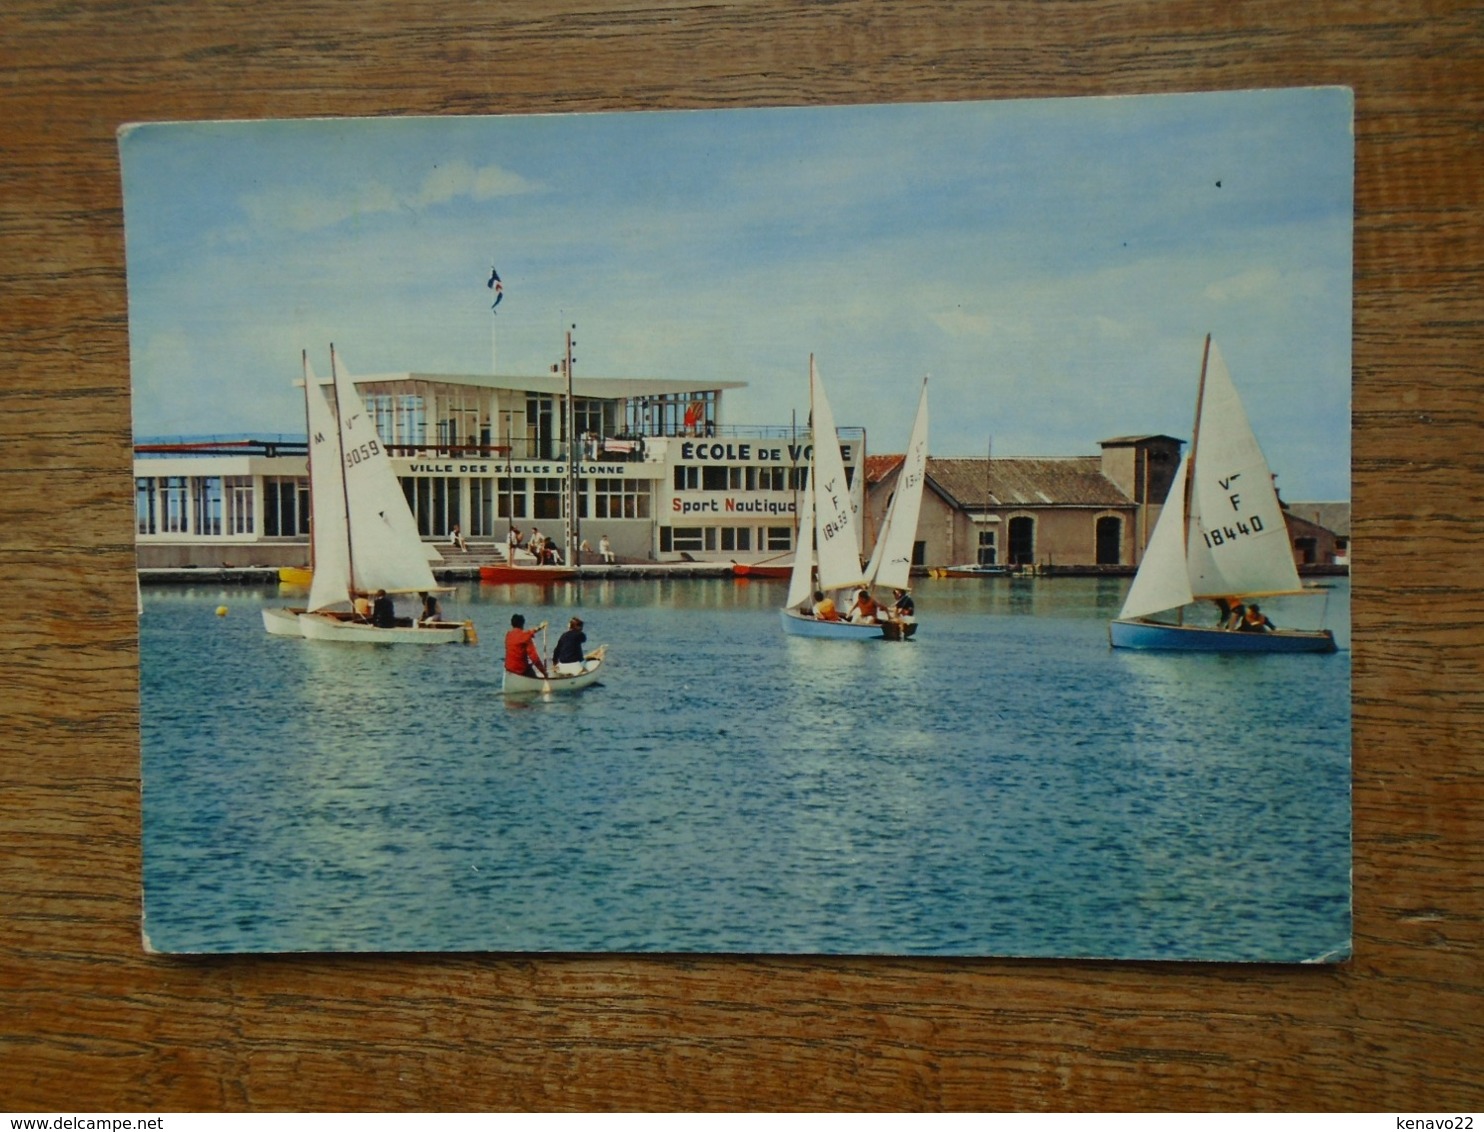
[[496, 286]]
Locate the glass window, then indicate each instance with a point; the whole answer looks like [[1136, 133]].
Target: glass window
[[773, 478], [547, 497], [986, 548], [778, 538], [688, 538], [380, 408], [687, 478], [714, 477], [209, 505], [481, 507], [144, 505], [510, 497], [239, 504], [434, 501], [285, 506], [412, 421], [174, 505], [736, 538], [615, 498]]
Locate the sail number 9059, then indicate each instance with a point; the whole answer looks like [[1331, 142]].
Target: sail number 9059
[[1220, 536], [360, 453]]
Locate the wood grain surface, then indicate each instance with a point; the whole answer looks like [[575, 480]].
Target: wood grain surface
[[89, 1022]]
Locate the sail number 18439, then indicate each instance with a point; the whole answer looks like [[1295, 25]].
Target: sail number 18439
[[1220, 536]]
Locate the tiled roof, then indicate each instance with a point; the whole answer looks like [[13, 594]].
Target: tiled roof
[[879, 467], [1334, 517], [1026, 482]]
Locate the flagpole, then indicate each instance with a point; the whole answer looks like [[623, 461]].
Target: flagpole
[[498, 290]]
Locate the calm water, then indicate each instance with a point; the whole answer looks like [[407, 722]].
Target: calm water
[[1006, 784]]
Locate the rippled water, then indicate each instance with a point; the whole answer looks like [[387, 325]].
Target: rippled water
[[1006, 784]]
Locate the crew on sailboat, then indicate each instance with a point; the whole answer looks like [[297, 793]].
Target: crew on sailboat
[[865, 611], [1254, 620], [432, 611], [902, 608], [521, 656], [824, 607], [383, 611]]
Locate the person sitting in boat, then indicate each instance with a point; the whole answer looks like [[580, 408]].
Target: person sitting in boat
[[902, 608], [568, 655], [824, 607], [1229, 613], [865, 609], [1254, 620], [456, 538], [383, 612], [521, 656], [432, 611]]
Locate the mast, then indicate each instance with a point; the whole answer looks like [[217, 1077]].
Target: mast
[[1195, 436], [1195, 439], [350, 546], [573, 530], [308, 453], [814, 575]]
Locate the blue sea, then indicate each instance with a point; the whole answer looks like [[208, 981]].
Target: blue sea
[[1006, 784]]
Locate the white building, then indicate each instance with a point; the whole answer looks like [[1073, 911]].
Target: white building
[[653, 468]]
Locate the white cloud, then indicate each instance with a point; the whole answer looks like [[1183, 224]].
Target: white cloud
[[306, 211], [960, 323], [1247, 285]]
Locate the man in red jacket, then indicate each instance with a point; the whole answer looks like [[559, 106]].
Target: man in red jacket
[[521, 656]]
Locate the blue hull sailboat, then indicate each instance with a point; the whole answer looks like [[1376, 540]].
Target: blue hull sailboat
[[1220, 539]]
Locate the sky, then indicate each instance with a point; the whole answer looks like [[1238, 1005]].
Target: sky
[[1052, 266]]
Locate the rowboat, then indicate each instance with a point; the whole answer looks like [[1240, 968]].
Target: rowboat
[[503, 573], [761, 570], [514, 684]]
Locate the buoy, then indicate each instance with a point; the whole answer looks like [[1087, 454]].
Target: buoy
[[221, 611]]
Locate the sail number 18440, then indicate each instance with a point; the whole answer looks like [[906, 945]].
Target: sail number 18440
[[1220, 536]]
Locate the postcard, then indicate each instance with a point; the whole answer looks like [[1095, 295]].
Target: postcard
[[500, 592]]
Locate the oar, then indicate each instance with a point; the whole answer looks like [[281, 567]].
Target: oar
[[546, 676]]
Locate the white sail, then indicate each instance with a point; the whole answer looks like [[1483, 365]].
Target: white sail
[[330, 549], [891, 560], [1163, 580], [801, 581], [835, 520], [386, 551], [1238, 539]]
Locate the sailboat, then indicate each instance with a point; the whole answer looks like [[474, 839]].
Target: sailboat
[[827, 557], [1221, 537], [319, 421], [364, 537]]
